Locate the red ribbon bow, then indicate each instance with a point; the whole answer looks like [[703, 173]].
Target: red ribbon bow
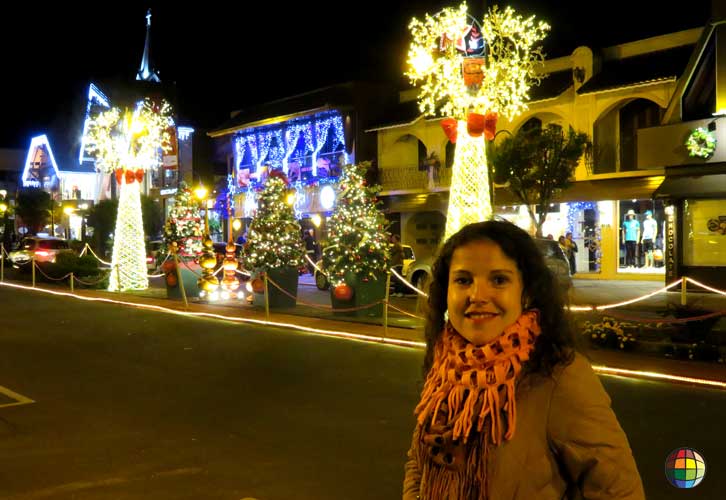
[[476, 125]]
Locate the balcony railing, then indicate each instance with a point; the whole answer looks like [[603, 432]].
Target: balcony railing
[[409, 177]]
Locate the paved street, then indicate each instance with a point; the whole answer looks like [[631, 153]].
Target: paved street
[[132, 404]]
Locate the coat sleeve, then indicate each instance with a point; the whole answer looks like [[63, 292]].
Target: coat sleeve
[[412, 475], [587, 438]]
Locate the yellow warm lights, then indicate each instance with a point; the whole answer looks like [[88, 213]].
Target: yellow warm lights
[[510, 63], [236, 224], [504, 72], [200, 192], [128, 144]]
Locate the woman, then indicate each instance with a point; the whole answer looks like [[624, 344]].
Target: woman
[[508, 409]]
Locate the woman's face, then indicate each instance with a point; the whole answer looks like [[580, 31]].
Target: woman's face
[[485, 291]]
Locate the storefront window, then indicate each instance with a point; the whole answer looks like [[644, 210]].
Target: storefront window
[[704, 233], [579, 218], [641, 232]]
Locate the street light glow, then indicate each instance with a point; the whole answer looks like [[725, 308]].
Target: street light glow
[[200, 192]]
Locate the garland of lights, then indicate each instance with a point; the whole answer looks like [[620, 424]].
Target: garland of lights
[[451, 84], [264, 150], [701, 143], [129, 145], [357, 230]]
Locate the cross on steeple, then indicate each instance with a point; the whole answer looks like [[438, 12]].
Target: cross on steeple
[[145, 72]]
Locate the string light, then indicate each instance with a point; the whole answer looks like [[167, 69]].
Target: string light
[[605, 370], [129, 144], [507, 70], [358, 239]]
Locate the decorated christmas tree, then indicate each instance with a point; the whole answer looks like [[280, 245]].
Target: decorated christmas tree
[[185, 224], [273, 239], [359, 242]]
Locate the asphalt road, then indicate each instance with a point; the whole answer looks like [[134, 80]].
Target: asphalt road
[[132, 404]]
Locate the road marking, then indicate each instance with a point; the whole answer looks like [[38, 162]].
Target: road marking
[[19, 398]]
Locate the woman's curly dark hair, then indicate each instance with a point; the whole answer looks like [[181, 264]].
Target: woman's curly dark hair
[[556, 344]]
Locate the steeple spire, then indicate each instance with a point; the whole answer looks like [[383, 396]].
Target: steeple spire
[[145, 72]]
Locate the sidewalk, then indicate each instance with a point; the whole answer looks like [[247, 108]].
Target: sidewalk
[[599, 292], [593, 292]]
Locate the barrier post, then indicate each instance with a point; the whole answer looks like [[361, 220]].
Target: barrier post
[[385, 306], [118, 278], [32, 267], [179, 279], [684, 299], [267, 300], [71, 282], [2, 262]]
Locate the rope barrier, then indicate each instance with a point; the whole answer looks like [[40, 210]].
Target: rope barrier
[[243, 273], [404, 312], [315, 266], [192, 270], [155, 275], [89, 283], [319, 306], [698, 283], [669, 321], [638, 299], [96, 256], [48, 277], [405, 282]]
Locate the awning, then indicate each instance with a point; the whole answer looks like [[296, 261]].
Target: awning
[[627, 188], [693, 186], [624, 188]]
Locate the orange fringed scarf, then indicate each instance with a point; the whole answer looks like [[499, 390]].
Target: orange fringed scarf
[[468, 403]]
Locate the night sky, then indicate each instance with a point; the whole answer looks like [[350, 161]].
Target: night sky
[[226, 57]]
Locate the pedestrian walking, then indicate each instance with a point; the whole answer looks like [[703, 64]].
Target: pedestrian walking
[[571, 246], [508, 408]]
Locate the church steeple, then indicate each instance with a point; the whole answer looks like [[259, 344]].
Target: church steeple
[[145, 72]]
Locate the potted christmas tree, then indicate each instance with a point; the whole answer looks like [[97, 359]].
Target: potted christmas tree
[[274, 244], [184, 228], [356, 259]]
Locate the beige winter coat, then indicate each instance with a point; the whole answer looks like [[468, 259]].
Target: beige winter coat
[[567, 445]]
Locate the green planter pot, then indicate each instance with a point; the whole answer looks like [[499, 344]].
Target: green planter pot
[[364, 292], [190, 285], [286, 278]]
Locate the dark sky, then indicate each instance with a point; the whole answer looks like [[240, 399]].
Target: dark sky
[[226, 57]]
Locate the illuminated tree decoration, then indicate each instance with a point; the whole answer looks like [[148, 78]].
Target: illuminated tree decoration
[[185, 223], [274, 239], [472, 73], [359, 242], [701, 143], [128, 145]]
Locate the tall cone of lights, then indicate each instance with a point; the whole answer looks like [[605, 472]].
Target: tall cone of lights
[[471, 73], [128, 144]]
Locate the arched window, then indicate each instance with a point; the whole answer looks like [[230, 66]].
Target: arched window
[[637, 114], [422, 155]]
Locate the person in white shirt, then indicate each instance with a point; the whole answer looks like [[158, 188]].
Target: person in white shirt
[[650, 231]]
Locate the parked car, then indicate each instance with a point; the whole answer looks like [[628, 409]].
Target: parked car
[[420, 272], [556, 261], [321, 281], [42, 248], [153, 249]]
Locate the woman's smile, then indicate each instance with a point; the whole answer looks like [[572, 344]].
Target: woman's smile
[[485, 291]]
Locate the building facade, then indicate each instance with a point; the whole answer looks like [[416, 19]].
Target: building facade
[[639, 102]]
